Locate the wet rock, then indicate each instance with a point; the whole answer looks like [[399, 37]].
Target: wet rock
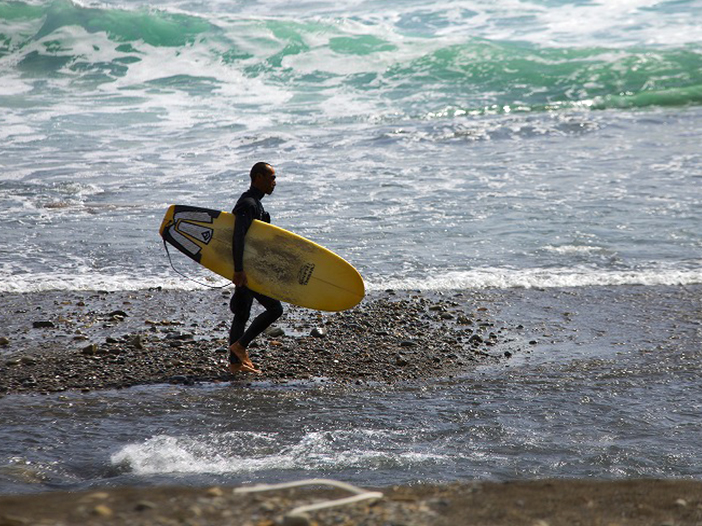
[[475, 339], [4, 342], [90, 350], [274, 332], [214, 492], [43, 324], [408, 343], [28, 360], [144, 505], [318, 332], [136, 341], [103, 511], [296, 520], [30, 381], [401, 361], [179, 336], [118, 313], [181, 379]]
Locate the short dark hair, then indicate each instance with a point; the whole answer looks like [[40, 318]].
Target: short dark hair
[[260, 168]]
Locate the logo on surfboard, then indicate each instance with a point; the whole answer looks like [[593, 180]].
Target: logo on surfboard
[[185, 234], [303, 277]]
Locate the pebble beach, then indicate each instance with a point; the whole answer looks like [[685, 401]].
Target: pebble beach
[[112, 340], [91, 341]]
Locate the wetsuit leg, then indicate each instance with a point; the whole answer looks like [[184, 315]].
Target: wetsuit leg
[[240, 305], [274, 309]]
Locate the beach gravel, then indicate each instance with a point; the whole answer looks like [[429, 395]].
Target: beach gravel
[[110, 340]]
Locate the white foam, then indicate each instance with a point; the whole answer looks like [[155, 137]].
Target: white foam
[[250, 452], [502, 278], [574, 249], [39, 282], [482, 278]]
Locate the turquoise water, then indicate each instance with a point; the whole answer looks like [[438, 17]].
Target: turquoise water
[[543, 151]]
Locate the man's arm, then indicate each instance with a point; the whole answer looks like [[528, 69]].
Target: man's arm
[[244, 214]]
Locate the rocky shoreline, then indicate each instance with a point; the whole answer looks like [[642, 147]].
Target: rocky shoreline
[[530, 503], [56, 341]]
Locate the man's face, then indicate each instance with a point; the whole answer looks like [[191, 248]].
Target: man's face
[[266, 182]]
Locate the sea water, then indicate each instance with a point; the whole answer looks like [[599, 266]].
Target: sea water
[[509, 145]]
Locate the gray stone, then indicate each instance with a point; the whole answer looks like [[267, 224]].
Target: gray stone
[[296, 520], [90, 349], [144, 505], [274, 332], [318, 332]]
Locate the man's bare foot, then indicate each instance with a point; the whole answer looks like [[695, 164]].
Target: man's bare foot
[[243, 368], [240, 352]]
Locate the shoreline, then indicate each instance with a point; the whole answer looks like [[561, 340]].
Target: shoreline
[[639, 502], [180, 332], [61, 341]]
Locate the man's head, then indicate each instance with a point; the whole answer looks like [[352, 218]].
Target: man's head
[[263, 177]]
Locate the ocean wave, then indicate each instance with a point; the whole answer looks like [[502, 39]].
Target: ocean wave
[[91, 47], [499, 278], [250, 452], [484, 278], [95, 281]]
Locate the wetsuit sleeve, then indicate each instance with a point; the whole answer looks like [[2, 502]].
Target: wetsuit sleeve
[[245, 213]]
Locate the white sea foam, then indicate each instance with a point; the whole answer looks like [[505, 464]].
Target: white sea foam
[[500, 278], [249, 452], [539, 278], [574, 249], [39, 282]]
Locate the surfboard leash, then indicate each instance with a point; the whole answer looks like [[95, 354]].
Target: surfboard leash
[[170, 260]]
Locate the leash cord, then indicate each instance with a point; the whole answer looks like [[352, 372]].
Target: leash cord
[[165, 245]]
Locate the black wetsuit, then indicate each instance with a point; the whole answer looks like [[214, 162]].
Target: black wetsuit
[[248, 208]]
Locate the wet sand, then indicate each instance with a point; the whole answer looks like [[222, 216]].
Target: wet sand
[[533, 503]]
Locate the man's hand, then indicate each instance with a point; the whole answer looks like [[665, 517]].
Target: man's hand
[[239, 279]]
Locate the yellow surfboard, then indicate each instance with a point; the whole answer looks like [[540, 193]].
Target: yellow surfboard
[[278, 263]]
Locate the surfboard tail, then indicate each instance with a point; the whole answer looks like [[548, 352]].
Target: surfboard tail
[[188, 228]]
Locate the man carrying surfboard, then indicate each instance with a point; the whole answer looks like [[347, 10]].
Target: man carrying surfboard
[[248, 208]]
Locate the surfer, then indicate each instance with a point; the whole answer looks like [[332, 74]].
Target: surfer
[[248, 208]]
